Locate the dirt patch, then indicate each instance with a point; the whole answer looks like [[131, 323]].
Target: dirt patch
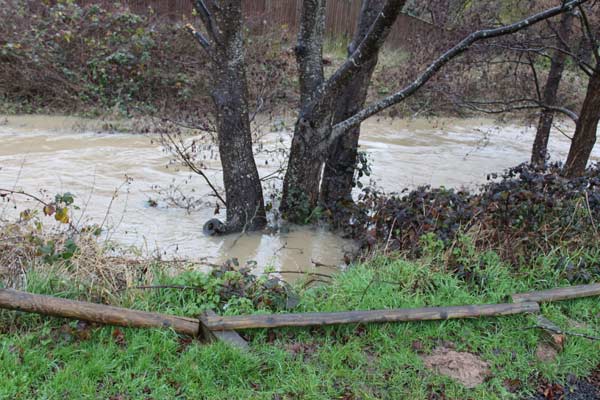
[[546, 352], [466, 368]]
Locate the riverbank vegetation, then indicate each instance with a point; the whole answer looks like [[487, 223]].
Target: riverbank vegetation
[[212, 61], [43, 358], [538, 233], [531, 227]]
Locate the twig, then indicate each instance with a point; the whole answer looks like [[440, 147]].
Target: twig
[[320, 264], [364, 293], [387, 242], [5, 192], [589, 209], [300, 273], [181, 287], [547, 325], [20, 192], [193, 167]]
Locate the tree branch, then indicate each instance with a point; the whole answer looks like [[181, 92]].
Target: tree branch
[[538, 91], [514, 105], [368, 47], [199, 37], [585, 67], [207, 19], [309, 49], [484, 34], [186, 159], [592, 38]]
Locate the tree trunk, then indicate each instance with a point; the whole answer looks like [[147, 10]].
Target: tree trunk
[[557, 66], [225, 47], [315, 129], [338, 174], [312, 136], [303, 176], [586, 129], [245, 204]]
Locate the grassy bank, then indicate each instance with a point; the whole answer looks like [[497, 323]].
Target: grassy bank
[[49, 358], [527, 230]]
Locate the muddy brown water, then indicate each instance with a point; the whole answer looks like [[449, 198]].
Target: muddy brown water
[[47, 155]]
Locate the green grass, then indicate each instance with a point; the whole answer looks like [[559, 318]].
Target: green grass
[[51, 359]]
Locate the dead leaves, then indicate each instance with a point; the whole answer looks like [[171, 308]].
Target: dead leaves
[[119, 337]]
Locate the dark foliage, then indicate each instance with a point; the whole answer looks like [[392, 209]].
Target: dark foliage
[[231, 286], [61, 56], [522, 213]]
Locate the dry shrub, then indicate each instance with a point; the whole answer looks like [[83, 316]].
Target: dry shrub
[[17, 254], [63, 56], [80, 259]]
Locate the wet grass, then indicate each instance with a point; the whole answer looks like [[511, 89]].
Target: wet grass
[[51, 358]]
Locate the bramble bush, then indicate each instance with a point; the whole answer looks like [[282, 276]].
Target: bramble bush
[[66, 57], [520, 214]]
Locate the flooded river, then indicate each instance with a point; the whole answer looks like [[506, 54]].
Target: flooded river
[[114, 175]]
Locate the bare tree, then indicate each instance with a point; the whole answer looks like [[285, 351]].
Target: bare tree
[[540, 145], [323, 120], [584, 138], [559, 47], [223, 43], [317, 130]]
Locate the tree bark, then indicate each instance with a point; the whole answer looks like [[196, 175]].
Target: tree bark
[[245, 204], [310, 144], [229, 92], [586, 129], [303, 175], [338, 174], [557, 66]]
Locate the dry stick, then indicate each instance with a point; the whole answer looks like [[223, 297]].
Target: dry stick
[[549, 326], [564, 293], [179, 287], [525, 303], [352, 317], [589, 209], [110, 315], [299, 273]]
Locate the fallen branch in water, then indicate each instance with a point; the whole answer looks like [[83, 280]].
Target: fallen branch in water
[[300, 273]]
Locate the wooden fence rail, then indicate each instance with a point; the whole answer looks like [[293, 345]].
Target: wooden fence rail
[[213, 327], [219, 323]]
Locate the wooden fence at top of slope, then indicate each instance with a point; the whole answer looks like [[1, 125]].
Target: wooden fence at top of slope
[[263, 15]]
